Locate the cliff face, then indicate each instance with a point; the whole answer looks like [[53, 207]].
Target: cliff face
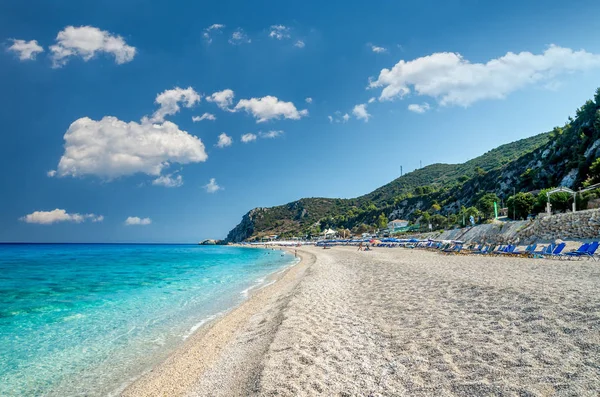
[[244, 230]]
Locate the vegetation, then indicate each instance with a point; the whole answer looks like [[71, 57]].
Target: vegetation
[[446, 195]]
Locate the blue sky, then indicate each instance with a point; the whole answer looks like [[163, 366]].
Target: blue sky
[[114, 58]]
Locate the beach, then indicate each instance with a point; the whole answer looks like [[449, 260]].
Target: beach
[[394, 322]]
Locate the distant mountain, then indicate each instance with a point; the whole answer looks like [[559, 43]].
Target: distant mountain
[[562, 157]]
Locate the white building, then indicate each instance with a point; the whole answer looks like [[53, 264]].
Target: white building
[[397, 224]]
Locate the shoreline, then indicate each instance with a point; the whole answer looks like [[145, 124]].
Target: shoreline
[[392, 322], [200, 351]]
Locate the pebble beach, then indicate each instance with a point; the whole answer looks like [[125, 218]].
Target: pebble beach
[[399, 322]]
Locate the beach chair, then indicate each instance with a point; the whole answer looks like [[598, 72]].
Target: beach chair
[[528, 250], [556, 253], [474, 250], [544, 251], [453, 250], [589, 251], [508, 250], [579, 252]]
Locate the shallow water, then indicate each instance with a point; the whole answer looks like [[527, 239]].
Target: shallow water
[[86, 319]]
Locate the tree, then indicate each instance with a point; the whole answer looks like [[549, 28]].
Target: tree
[[520, 205], [438, 221], [362, 228], [382, 221], [595, 171], [560, 201], [435, 207], [485, 204]]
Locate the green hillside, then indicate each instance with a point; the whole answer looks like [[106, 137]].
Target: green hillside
[[441, 193]]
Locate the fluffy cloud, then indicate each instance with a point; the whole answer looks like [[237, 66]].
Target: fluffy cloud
[[299, 44], [134, 220], [112, 148], [27, 50], [58, 215], [279, 32], [249, 137], [239, 37], [339, 118], [224, 140], [270, 134], [269, 107], [453, 80], [371, 100], [360, 112], [169, 102], [212, 187], [51, 173], [223, 99], [308, 100], [415, 107], [87, 41], [168, 181], [205, 116], [208, 31], [377, 49]]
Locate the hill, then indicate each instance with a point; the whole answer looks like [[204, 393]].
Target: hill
[[441, 193]]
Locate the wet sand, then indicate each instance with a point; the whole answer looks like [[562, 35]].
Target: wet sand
[[400, 322]]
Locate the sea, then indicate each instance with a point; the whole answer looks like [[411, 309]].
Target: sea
[[87, 319]]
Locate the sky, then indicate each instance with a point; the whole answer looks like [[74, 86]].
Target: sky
[[152, 121]]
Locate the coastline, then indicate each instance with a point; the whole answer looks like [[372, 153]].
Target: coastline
[[206, 347], [399, 322]]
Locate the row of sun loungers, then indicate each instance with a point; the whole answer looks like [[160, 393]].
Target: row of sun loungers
[[552, 251]]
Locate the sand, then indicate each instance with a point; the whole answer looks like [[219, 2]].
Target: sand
[[400, 322]]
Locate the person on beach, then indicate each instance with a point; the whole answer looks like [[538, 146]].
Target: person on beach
[[360, 246], [295, 253]]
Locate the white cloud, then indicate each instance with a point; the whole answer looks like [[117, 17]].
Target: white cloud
[[205, 116], [309, 100], [415, 107], [214, 27], [453, 80], [346, 117], [360, 112], [377, 49], [51, 173], [330, 119], [169, 101], [59, 215], [249, 137], [279, 32], [223, 99], [239, 37], [112, 148], [212, 187], [168, 181], [269, 107], [27, 50], [299, 44], [87, 41], [372, 99], [224, 140], [270, 134], [134, 220]]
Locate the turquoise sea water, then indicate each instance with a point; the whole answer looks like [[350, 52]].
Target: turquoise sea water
[[87, 319]]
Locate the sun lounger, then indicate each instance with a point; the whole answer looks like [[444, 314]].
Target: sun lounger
[[579, 252], [556, 253], [508, 250], [529, 250], [585, 251]]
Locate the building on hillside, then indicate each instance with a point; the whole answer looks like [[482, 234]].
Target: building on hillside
[[396, 225]]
